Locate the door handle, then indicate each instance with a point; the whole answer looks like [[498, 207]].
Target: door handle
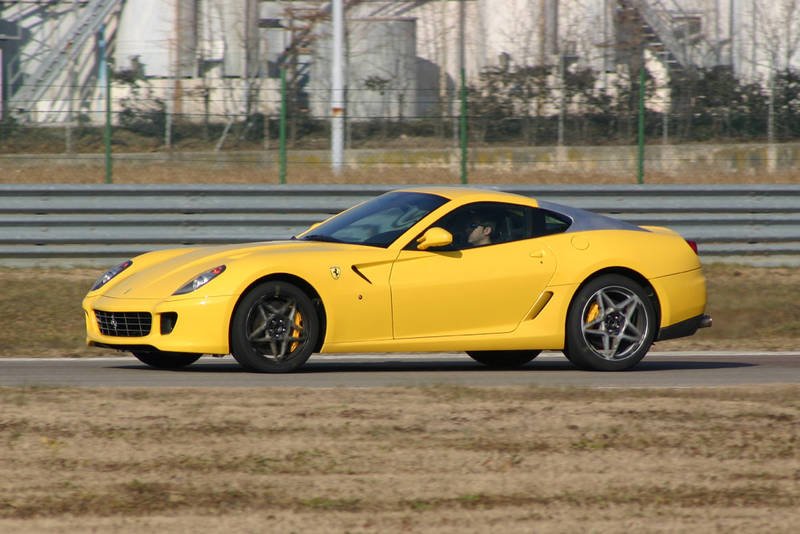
[[537, 254]]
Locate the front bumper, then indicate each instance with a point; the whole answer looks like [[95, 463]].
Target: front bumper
[[198, 325]]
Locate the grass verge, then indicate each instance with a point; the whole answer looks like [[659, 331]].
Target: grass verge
[[247, 168]]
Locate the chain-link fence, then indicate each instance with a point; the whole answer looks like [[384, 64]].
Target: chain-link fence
[[507, 107], [517, 105]]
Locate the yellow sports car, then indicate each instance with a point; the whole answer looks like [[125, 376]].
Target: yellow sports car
[[497, 275]]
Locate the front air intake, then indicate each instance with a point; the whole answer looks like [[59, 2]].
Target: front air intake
[[124, 324]]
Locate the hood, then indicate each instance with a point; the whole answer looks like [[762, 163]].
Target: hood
[[152, 277]]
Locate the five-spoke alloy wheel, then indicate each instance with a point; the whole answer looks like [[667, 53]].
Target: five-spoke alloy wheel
[[610, 325], [274, 329]]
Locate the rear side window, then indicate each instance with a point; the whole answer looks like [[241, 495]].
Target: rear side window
[[546, 222]]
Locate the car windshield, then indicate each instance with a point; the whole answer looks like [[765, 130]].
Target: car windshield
[[377, 222]]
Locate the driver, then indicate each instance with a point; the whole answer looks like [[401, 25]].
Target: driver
[[479, 232]]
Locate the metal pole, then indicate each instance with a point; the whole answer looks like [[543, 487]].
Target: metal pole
[[717, 32], [71, 91], [107, 136], [732, 33], [444, 93], [754, 41], [337, 88], [2, 84], [640, 155], [105, 77], [665, 110], [562, 103], [771, 102], [172, 105], [282, 130], [606, 44], [463, 73]]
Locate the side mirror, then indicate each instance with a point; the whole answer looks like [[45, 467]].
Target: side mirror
[[434, 237]]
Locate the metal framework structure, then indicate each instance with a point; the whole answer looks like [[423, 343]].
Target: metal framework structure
[[44, 68], [674, 34]]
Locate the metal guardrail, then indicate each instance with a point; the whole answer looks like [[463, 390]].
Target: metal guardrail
[[74, 222]]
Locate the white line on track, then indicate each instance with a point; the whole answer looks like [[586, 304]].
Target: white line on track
[[431, 355]]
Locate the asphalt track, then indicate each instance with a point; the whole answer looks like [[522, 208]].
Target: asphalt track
[[657, 370]]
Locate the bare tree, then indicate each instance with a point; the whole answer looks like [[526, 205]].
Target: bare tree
[[772, 27], [774, 32]]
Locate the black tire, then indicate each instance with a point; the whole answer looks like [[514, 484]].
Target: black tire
[[274, 329], [610, 325], [503, 359], [167, 360]]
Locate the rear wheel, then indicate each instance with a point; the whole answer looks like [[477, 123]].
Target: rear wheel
[[167, 360], [610, 324], [503, 359], [274, 328]]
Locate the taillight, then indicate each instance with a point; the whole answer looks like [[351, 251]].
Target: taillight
[[693, 245]]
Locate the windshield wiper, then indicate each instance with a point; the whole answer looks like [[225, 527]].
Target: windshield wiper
[[322, 237]]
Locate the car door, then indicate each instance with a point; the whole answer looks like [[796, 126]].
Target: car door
[[483, 290]]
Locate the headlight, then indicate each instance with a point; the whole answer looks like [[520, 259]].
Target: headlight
[[200, 280], [110, 274]]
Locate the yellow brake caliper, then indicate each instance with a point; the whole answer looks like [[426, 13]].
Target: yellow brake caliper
[[298, 323], [593, 313]]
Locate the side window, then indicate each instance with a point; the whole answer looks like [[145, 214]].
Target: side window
[[485, 223], [490, 223]]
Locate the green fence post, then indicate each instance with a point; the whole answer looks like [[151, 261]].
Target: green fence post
[[282, 130], [463, 127], [105, 74], [640, 153], [107, 133]]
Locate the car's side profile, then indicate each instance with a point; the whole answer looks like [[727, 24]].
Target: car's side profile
[[499, 276]]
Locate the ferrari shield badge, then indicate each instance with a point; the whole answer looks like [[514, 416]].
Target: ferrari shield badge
[[336, 272]]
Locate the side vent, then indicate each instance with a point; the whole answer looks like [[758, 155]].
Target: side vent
[[359, 273], [541, 302]]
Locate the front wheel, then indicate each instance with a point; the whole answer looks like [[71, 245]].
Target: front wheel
[[274, 329], [167, 360], [611, 324], [503, 359]]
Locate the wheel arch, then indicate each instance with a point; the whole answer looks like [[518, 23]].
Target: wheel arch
[[633, 275], [300, 283]]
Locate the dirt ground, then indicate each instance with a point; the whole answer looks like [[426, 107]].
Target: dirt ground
[[434, 459]]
